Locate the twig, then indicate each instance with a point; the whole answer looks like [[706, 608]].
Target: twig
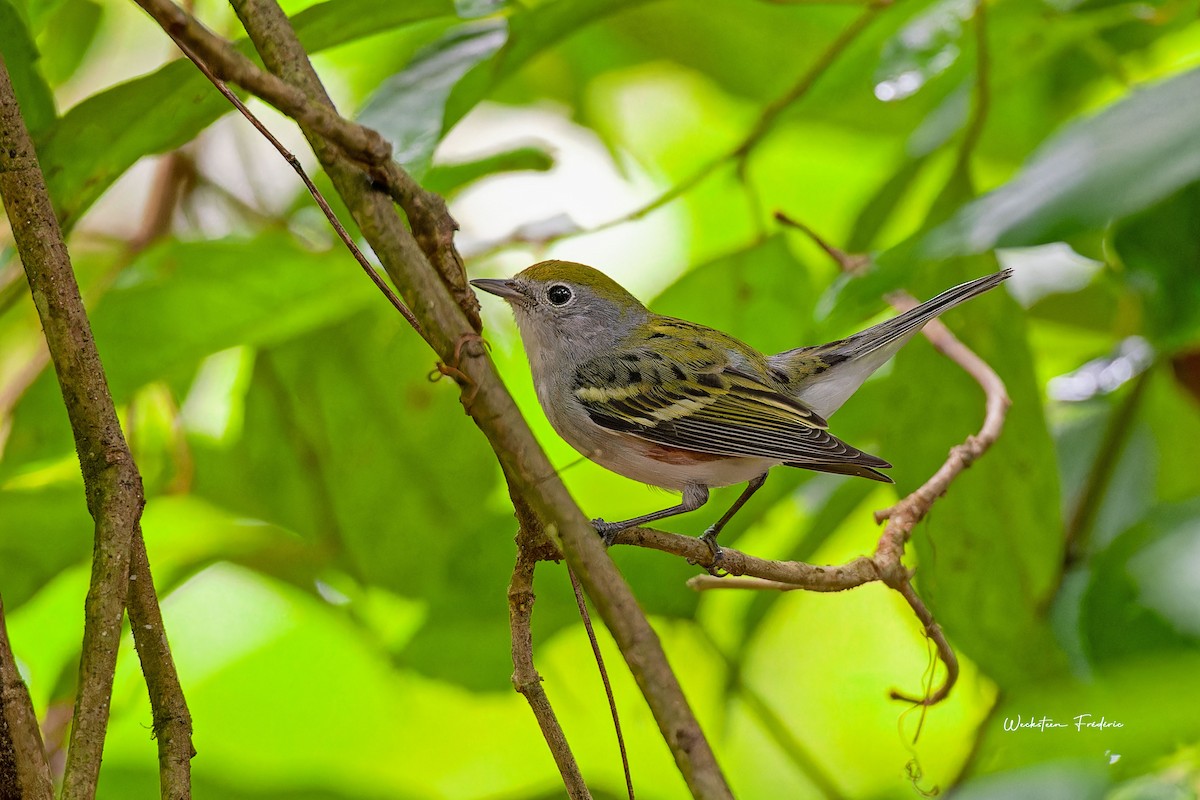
[[887, 561], [612, 701], [111, 480], [445, 322], [525, 678], [172, 720], [294, 162], [24, 771], [828, 57], [432, 225], [983, 94], [766, 121]]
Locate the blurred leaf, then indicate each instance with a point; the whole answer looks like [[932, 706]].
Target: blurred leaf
[[1049, 782], [181, 301], [346, 442], [1135, 152], [337, 22], [1152, 698], [990, 551], [530, 31], [69, 33], [1160, 248], [925, 48], [408, 108], [93, 144], [447, 179], [247, 647], [878, 210], [1143, 597], [42, 532], [21, 59]]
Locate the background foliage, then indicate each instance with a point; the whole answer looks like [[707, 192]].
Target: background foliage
[[333, 539]]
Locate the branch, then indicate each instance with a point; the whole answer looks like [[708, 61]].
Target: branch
[[172, 720], [887, 562], [433, 227], [111, 481], [450, 327], [525, 678], [24, 771]]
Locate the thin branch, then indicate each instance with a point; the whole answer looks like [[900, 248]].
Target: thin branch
[[525, 677], [608, 692], [111, 480], [172, 720], [886, 564], [433, 227], [294, 162], [448, 327], [983, 93], [827, 58], [24, 770], [765, 123]]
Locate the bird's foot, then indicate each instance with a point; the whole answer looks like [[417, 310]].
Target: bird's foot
[[710, 539], [608, 530]]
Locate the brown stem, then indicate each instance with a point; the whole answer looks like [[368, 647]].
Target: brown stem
[[433, 227], [525, 678], [172, 720], [447, 326], [112, 483], [24, 771]]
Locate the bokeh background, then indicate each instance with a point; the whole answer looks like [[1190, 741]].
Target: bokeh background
[[332, 538]]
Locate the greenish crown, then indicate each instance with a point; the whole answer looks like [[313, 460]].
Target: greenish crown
[[579, 275]]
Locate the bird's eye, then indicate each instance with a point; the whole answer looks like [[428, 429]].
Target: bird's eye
[[559, 295]]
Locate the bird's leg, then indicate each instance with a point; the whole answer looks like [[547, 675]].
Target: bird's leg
[[694, 496], [710, 535]]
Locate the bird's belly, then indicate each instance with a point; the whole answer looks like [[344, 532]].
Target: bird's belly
[[671, 468]]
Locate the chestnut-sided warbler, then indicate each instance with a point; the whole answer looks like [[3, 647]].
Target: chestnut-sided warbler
[[677, 405]]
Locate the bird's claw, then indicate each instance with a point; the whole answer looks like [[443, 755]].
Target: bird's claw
[[710, 539], [608, 531]]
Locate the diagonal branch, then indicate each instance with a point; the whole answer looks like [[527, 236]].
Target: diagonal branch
[[424, 266], [111, 480], [525, 678]]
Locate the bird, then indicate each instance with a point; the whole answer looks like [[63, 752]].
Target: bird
[[685, 407]]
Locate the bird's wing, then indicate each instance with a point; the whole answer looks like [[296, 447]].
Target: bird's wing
[[677, 394]]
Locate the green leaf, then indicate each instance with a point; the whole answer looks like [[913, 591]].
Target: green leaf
[[1143, 597], [530, 32], [990, 552], [346, 442], [1160, 248], [21, 57], [93, 144], [59, 516], [447, 179], [925, 48], [68, 36], [182, 301], [1128, 156], [408, 107]]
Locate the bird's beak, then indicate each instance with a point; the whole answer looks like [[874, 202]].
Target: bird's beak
[[501, 287]]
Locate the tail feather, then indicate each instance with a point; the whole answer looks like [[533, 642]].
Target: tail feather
[[826, 375], [844, 469]]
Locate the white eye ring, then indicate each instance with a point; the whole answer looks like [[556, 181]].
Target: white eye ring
[[559, 295]]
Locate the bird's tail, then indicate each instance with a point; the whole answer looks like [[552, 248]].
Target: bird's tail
[[826, 375]]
